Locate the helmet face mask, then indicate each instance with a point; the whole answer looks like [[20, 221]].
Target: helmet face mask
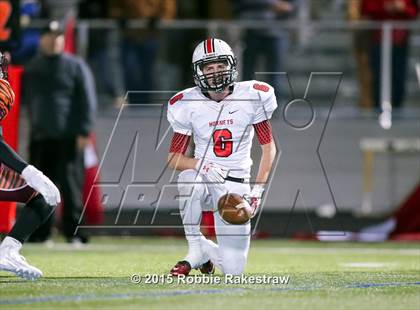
[[219, 79]]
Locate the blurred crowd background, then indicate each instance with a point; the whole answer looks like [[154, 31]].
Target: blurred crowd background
[[147, 44]]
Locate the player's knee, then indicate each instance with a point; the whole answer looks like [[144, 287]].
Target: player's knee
[[233, 262], [234, 269], [41, 207]]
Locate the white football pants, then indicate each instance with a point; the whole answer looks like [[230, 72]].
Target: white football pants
[[231, 253]]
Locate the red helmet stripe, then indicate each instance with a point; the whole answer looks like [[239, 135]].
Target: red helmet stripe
[[209, 46]]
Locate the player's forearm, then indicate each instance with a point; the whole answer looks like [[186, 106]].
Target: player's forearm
[[178, 161], [266, 162], [10, 158]]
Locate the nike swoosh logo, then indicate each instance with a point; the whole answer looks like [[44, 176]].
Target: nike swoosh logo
[[231, 112]]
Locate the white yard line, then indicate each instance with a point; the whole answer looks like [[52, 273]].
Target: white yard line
[[280, 249]]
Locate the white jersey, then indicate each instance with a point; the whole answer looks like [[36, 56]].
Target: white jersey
[[223, 131]]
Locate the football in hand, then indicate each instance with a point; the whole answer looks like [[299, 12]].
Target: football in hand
[[234, 209]]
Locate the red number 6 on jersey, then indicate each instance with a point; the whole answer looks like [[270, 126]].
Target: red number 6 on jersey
[[223, 144]]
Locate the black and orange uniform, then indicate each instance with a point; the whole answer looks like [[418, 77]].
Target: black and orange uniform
[[12, 186]]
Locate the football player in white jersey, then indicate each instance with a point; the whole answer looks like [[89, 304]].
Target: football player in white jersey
[[222, 116]]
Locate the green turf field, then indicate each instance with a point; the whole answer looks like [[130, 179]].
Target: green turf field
[[322, 276]]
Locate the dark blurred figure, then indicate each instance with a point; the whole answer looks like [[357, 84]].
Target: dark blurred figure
[[29, 37], [59, 9], [268, 43], [187, 38], [139, 47], [386, 10], [361, 48], [60, 93], [103, 50]]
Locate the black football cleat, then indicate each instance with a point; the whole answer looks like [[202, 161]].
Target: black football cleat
[[181, 268], [207, 268]]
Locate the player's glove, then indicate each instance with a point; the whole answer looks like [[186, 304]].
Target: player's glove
[[213, 173], [254, 198], [42, 184]]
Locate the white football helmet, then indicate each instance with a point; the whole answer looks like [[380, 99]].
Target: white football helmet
[[214, 50]]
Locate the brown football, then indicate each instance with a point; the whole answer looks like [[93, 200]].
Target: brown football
[[234, 209]]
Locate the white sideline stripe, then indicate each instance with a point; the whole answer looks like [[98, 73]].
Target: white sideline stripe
[[342, 250], [367, 265], [170, 293], [286, 250], [135, 295]]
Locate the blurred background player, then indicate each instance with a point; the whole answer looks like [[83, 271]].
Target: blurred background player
[[361, 47], [59, 91], [23, 183], [140, 47], [221, 110], [270, 44], [390, 10]]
